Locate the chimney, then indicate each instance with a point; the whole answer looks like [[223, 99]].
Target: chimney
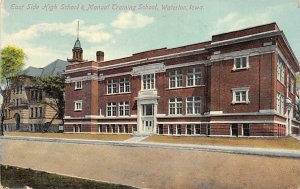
[[100, 56]]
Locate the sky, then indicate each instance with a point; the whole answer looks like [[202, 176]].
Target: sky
[[123, 27]]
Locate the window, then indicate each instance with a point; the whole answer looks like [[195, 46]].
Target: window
[[240, 95], [100, 129], [78, 105], [197, 129], [124, 85], [189, 129], [124, 109], [194, 76], [78, 85], [178, 129], [280, 70], [148, 109], [175, 106], [126, 130], [31, 112], [111, 109], [193, 105], [148, 82], [41, 111], [234, 129], [111, 86], [36, 112], [241, 63], [170, 130], [280, 103], [246, 129], [77, 128], [292, 86], [175, 79]]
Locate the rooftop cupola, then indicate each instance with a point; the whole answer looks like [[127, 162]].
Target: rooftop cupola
[[77, 50]]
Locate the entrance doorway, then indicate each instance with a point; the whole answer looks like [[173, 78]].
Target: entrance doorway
[[148, 118]]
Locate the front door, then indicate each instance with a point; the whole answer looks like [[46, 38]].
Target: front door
[[148, 118]]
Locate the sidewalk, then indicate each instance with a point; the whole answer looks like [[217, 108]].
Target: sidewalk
[[137, 142]]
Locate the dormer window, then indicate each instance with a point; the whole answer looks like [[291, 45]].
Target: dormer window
[[241, 63], [78, 85]]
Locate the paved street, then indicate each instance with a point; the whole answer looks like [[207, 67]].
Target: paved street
[[152, 165]]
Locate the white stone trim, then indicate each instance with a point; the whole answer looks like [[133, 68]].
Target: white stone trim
[[103, 77], [216, 113], [268, 111], [247, 52], [78, 123], [186, 64], [182, 123], [249, 121], [82, 78], [117, 123], [148, 69], [247, 37], [180, 116], [157, 58]]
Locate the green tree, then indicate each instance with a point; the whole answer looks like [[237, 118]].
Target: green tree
[[12, 62], [53, 86]]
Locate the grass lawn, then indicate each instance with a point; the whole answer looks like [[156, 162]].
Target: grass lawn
[[284, 143], [115, 137]]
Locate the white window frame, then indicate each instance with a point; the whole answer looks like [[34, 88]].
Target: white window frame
[[280, 103], [240, 90], [78, 85], [196, 75], [124, 85], [280, 69], [112, 85], [194, 107], [292, 86], [124, 109], [152, 77], [241, 63], [177, 75], [110, 106], [78, 105], [176, 105]]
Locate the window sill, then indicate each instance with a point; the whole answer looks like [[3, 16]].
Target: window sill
[[117, 93], [238, 69], [247, 102], [77, 110], [76, 89], [185, 87]]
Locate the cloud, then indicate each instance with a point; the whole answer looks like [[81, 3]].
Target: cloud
[[236, 20], [40, 56], [131, 20], [91, 33]]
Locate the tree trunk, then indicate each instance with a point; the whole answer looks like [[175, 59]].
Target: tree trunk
[[2, 120]]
